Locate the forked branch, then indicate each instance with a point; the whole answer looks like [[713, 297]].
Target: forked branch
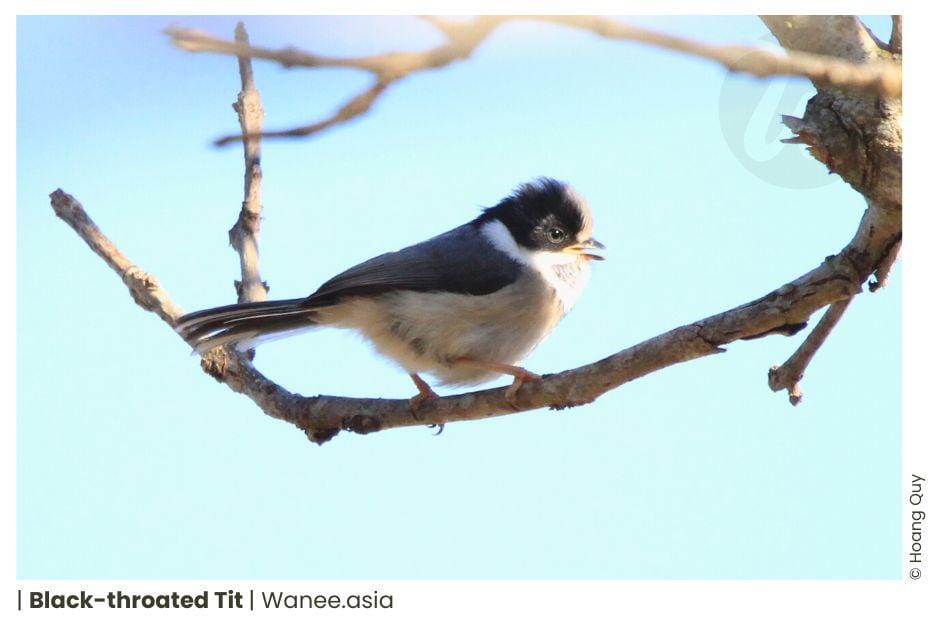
[[788, 375]]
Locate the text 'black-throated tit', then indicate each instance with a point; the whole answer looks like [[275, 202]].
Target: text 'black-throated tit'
[[465, 306]]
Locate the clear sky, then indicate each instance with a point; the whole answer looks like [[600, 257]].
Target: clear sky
[[131, 463]]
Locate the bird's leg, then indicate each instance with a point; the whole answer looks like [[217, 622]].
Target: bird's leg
[[424, 393], [519, 375]]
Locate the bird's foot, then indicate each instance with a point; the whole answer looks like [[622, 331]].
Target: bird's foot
[[424, 393], [519, 376], [415, 402]]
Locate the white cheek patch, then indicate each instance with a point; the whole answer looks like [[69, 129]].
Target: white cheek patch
[[499, 237]]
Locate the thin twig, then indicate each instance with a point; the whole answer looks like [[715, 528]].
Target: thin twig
[[386, 68], [244, 235], [463, 37], [354, 107], [881, 78], [144, 288], [789, 374]]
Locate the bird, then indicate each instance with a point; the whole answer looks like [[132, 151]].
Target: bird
[[465, 306]]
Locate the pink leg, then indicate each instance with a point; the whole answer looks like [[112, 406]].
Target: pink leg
[[519, 375], [424, 392]]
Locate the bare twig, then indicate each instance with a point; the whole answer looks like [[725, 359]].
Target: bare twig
[[144, 288], [321, 417], [244, 235], [463, 37], [386, 68], [880, 77], [789, 374], [354, 107]]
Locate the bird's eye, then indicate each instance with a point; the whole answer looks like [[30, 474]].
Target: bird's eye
[[556, 234]]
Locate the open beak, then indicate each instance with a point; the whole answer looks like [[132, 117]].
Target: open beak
[[584, 249]]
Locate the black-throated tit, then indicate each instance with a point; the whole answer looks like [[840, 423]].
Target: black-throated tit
[[465, 306]]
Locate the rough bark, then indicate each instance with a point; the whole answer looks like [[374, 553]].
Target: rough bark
[[858, 136]]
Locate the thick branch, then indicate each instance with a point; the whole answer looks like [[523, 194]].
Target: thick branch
[[857, 136], [789, 374], [885, 267], [463, 37], [321, 417], [837, 36], [895, 41], [244, 235]]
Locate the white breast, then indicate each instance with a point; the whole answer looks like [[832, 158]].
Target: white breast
[[565, 272]]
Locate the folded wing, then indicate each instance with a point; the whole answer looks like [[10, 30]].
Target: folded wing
[[460, 261]]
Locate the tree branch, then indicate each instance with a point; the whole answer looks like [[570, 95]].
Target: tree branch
[[789, 374], [895, 41], [386, 68], [858, 137], [882, 78], [143, 287], [835, 36], [321, 417], [463, 37], [244, 235], [885, 267], [352, 108]]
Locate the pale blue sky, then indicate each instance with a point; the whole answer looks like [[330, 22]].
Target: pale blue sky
[[131, 463]]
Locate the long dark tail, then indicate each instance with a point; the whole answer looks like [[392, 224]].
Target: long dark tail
[[244, 325]]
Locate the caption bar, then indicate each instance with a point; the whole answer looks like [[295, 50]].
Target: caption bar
[[216, 600]]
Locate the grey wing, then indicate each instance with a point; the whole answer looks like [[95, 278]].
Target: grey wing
[[461, 261]]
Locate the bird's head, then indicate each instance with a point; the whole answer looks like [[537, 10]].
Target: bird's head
[[547, 217]]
